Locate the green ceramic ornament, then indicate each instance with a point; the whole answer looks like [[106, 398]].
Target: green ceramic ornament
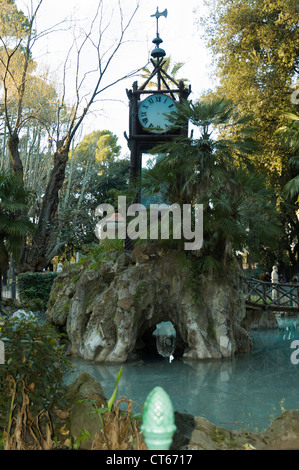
[[158, 420]]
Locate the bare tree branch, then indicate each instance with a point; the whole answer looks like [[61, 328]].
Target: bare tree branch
[[103, 67], [45, 238]]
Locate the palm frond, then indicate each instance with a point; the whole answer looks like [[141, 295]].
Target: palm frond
[[14, 225], [291, 189]]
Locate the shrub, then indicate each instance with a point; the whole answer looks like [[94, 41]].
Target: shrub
[[34, 359], [99, 253], [35, 288]]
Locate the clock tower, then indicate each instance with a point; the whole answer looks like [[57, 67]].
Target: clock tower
[[150, 108]]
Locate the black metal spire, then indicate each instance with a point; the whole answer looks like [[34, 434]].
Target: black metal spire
[[158, 51]]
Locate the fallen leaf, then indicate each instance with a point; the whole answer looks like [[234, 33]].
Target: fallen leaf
[[63, 430], [62, 414], [67, 443], [248, 447]]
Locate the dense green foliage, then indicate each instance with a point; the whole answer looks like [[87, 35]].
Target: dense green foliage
[[14, 225], [289, 134], [218, 173], [255, 46], [96, 253], [33, 357], [94, 175], [35, 288]]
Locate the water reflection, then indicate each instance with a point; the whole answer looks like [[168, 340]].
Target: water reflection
[[248, 391]]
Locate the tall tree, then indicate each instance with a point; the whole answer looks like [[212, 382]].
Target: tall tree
[[94, 174], [289, 137], [16, 43], [255, 46], [37, 256]]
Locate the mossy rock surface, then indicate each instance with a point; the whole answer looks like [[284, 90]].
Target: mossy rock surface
[[84, 395]]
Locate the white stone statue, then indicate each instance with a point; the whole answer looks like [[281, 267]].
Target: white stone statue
[[165, 339], [274, 280], [2, 353], [59, 268]]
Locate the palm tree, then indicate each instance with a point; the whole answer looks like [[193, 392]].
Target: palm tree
[[216, 172], [13, 224]]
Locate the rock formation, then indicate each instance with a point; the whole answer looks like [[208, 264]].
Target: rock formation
[[197, 433], [110, 312]]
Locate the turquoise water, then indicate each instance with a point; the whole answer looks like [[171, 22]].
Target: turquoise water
[[246, 392]]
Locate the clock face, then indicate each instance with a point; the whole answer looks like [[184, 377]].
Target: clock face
[[152, 113]]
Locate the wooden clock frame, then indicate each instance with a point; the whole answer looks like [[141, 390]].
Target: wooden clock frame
[[139, 140]]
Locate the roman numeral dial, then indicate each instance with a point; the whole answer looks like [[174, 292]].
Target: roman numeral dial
[[153, 111]]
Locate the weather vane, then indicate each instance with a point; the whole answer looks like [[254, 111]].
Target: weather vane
[[157, 15]]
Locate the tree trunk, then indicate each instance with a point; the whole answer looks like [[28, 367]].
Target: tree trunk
[[16, 162], [35, 256]]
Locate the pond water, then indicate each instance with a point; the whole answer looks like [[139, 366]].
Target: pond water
[[246, 392]]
